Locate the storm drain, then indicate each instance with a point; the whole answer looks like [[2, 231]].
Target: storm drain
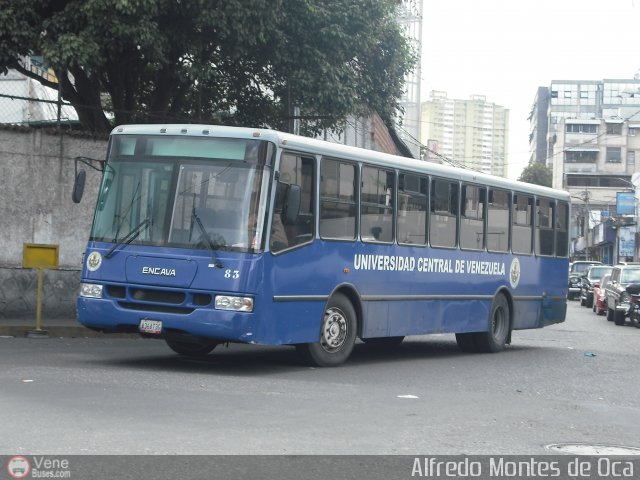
[[595, 449]]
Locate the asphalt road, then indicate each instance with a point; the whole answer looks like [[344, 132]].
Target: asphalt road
[[574, 382]]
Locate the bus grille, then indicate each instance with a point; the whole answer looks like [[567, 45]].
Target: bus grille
[[159, 296], [145, 307], [155, 300]]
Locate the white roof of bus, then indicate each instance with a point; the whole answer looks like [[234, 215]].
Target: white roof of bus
[[315, 146]]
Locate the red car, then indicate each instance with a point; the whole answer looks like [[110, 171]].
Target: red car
[[599, 297]]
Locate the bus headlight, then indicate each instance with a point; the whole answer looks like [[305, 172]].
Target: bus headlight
[[236, 304], [90, 290]]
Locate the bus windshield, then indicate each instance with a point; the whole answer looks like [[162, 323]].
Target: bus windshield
[[199, 193]]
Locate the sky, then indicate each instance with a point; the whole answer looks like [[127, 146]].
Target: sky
[[506, 49]]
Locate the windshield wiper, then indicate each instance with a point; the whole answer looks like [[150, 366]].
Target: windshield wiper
[[130, 237], [207, 238]]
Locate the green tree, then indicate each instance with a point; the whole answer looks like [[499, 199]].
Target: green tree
[[232, 61], [538, 174]]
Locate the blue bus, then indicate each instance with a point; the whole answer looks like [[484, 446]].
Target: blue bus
[[205, 235]]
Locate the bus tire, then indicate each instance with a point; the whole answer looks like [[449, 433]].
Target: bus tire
[[495, 338], [337, 334], [466, 342], [191, 349]]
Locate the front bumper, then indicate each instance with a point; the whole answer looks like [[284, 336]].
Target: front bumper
[[107, 316]]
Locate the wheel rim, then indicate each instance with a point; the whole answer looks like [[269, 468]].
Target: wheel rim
[[334, 330], [499, 323]]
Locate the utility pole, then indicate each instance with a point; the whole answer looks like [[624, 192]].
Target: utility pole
[[587, 217]]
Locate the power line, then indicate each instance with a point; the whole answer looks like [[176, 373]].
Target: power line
[[448, 161]]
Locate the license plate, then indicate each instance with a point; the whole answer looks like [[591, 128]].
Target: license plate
[[150, 326]]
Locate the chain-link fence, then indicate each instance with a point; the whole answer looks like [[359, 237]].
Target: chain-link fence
[[25, 101]]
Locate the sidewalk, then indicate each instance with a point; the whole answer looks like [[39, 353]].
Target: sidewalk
[[52, 328]]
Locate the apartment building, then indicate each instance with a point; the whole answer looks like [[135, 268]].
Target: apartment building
[[471, 132]]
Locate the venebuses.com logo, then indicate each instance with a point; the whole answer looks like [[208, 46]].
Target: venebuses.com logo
[[38, 467], [18, 467]]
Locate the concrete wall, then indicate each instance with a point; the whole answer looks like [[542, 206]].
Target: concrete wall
[[36, 180]]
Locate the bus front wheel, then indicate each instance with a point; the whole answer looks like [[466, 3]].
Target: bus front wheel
[[191, 349], [337, 334]]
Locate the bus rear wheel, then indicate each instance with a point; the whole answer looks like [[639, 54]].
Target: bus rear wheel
[[495, 338], [337, 334], [191, 349]]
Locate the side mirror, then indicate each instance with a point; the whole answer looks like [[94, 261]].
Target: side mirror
[[291, 207], [78, 186]]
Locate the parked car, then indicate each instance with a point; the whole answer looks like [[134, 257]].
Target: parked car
[[592, 276], [576, 270], [634, 311], [599, 295], [618, 298]]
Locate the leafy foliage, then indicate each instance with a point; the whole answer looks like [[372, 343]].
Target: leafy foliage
[[233, 61], [538, 174]]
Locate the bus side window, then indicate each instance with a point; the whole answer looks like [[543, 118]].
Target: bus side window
[[376, 205], [562, 229], [412, 209], [444, 212], [498, 221], [544, 227], [338, 206], [522, 224], [294, 170], [472, 217]]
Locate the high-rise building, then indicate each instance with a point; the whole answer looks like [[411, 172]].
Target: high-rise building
[[410, 17], [577, 99], [473, 133], [591, 144], [539, 124]]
